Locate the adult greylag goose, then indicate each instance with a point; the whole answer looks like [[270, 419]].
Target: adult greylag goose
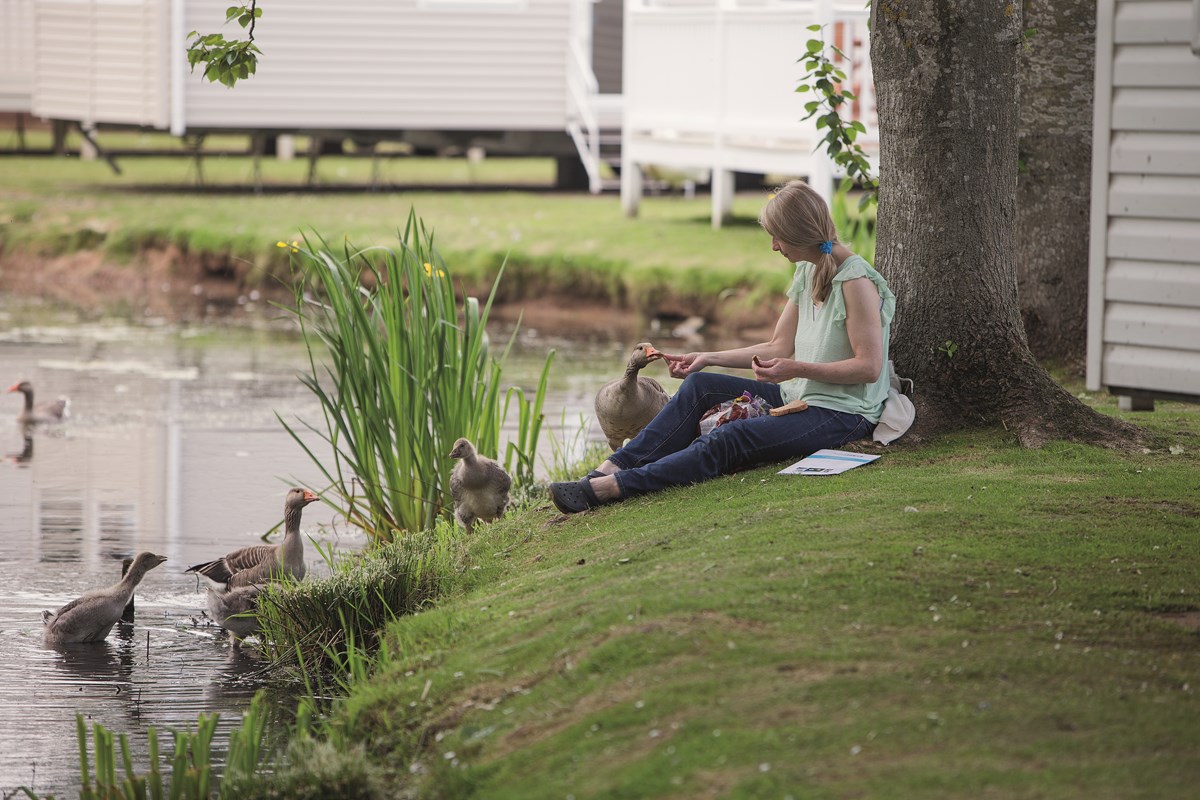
[[89, 618], [263, 562], [49, 411], [625, 405], [478, 485], [236, 610]]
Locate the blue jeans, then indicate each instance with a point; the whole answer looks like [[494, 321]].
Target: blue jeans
[[668, 451]]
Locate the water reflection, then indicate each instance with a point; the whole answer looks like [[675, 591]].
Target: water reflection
[[164, 452], [26, 454], [59, 525], [99, 668], [173, 446]]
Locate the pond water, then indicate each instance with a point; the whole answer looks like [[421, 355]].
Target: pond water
[[172, 446]]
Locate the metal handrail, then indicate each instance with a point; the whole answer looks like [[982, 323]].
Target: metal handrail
[[582, 86]]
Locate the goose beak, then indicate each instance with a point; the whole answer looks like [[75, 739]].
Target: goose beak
[[12, 388], [309, 497], [652, 354]]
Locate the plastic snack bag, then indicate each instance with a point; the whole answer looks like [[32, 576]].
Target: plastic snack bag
[[744, 407]]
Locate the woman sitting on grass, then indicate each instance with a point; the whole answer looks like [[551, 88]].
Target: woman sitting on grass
[[828, 349]]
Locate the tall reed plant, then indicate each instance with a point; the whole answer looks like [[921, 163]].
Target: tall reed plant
[[189, 775], [401, 365]]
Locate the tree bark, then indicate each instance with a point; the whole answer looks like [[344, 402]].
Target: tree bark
[[1054, 181], [946, 86]]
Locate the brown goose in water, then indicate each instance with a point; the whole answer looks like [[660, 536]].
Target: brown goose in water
[[90, 617], [478, 485], [236, 610], [45, 412], [263, 562], [625, 405]]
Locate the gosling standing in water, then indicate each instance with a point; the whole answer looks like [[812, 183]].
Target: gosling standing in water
[[92, 616], [236, 611], [478, 485]]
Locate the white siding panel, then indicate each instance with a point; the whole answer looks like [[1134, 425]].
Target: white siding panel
[[759, 53], [1155, 66], [391, 64], [671, 71], [1150, 369], [1160, 22], [1151, 326], [1154, 240], [16, 55], [1154, 196], [1156, 153], [1155, 283], [1156, 109], [100, 62], [1144, 287]]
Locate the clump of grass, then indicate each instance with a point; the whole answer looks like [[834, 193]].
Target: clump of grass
[[331, 626], [316, 770], [409, 370]]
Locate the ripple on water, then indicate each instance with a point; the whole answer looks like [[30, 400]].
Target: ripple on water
[[173, 446]]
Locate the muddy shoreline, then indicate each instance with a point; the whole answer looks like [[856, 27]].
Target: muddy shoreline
[[164, 284]]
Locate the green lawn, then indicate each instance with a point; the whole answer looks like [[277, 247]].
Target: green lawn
[[963, 619], [966, 618], [574, 243]]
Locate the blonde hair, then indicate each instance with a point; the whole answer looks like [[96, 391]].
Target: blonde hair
[[798, 216]]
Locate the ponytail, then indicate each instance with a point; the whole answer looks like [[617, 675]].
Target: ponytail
[[797, 215]]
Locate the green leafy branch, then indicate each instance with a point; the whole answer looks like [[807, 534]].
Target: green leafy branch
[[824, 78], [227, 60]]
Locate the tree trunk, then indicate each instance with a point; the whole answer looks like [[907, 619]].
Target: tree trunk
[[946, 87], [1054, 182]]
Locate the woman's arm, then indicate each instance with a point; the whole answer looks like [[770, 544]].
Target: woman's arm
[[781, 343], [865, 330]]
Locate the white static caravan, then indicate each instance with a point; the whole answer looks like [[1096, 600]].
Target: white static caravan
[[1144, 259], [16, 55], [512, 76], [711, 85]]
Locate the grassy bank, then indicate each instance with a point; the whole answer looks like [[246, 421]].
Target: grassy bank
[[666, 260], [965, 619]]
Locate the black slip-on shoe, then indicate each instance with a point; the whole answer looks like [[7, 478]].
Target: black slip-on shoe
[[571, 497]]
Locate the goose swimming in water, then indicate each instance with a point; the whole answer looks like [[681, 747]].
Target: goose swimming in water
[[41, 413], [263, 562], [90, 617]]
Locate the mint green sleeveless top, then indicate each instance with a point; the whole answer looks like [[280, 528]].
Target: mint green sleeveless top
[[821, 337]]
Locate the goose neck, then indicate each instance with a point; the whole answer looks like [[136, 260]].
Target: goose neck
[[291, 521]]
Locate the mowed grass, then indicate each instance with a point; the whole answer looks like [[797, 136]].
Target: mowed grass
[[572, 243], [966, 618], [963, 619]]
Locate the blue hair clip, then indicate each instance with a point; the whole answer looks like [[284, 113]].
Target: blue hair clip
[[827, 247]]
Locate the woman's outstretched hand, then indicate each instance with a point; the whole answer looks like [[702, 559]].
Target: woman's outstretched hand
[[684, 365]]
